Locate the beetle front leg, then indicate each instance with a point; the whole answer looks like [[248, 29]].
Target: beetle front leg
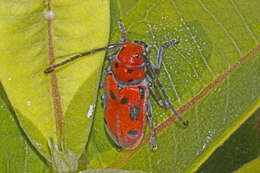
[[150, 119], [122, 39], [163, 47]]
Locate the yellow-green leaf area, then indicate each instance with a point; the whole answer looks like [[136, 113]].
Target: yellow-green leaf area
[[251, 167], [110, 171], [211, 77], [17, 155], [31, 33]]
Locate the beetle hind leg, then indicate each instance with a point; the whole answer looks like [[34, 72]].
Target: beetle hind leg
[[154, 72], [150, 119], [123, 33]]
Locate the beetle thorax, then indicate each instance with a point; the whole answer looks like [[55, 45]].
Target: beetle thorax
[[129, 65]]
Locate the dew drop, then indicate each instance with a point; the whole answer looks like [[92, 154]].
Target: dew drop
[[49, 14], [90, 111], [29, 103]]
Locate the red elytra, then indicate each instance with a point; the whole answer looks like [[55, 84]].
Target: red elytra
[[127, 86], [126, 96], [125, 112]]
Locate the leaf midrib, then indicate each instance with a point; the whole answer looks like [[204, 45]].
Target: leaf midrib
[[121, 160], [54, 83]]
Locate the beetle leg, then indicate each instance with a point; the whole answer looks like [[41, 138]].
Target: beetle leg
[[163, 47], [161, 51], [122, 39], [101, 84], [150, 119], [154, 72], [169, 104], [123, 33], [155, 93]]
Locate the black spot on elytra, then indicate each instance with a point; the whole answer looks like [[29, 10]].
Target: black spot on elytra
[[132, 133], [112, 95], [130, 71], [116, 64], [130, 80], [141, 91], [134, 113], [124, 101]]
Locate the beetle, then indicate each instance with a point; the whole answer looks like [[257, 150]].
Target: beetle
[[128, 80]]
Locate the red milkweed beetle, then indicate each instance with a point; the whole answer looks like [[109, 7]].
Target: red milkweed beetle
[[127, 83]]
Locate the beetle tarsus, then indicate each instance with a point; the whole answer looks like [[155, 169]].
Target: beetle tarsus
[[153, 143]]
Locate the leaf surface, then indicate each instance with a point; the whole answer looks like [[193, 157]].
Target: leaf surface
[[252, 167], [125, 6], [16, 153], [36, 34], [110, 171], [242, 147], [211, 77]]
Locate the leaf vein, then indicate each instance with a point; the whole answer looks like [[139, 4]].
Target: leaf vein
[[243, 21], [193, 39], [172, 84], [54, 84], [221, 26], [190, 64]]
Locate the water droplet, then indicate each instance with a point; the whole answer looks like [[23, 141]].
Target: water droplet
[[90, 111], [49, 14], [29, 103]]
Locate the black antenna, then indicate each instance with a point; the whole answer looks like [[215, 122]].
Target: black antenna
[[53, 67]]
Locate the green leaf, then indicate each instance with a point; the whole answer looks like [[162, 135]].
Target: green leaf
[[211, 76], [110, 171], [16, 152], [251, 167], [125, 6], [240, 148], [56, 106]]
